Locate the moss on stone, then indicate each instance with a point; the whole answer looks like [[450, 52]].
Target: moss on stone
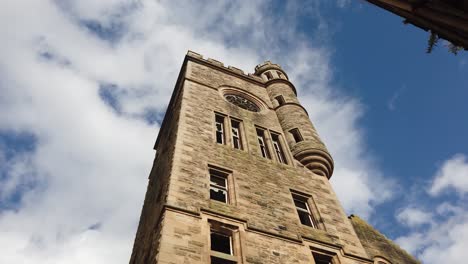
[[378, 245]]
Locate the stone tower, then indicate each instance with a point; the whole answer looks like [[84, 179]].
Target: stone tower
[[241, 176]]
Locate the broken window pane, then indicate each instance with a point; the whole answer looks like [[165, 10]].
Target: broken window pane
[[219, 129], [218, 186], [218, 194]]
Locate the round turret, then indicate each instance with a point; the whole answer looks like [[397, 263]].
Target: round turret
[[303, 140]]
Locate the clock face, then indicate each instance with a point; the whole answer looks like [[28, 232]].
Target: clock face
[[242, 102]]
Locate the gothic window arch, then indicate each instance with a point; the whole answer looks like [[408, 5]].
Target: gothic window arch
[[242, 102], [242, 99]]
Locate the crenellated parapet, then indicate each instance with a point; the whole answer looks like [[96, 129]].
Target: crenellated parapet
[[221, 65]]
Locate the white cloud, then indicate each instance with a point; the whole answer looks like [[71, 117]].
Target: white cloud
[[441, 235], [453, 174], [391, 104], [90, 164], [445, 241], [414, 217]]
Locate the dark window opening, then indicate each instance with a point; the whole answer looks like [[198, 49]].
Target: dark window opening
[[218, 186], [322, 259], [219, 129], [296, 134], [303, 210], [305, 218], [279, 74], [215, 260], [269, 75], [278, 148], [280, 100], [262, 143], [236, 135], [221, 243]]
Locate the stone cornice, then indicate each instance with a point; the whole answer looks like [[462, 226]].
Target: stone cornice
[[295, 104], [280, 80]]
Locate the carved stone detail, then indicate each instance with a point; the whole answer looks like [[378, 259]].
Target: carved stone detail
[[242, 102]]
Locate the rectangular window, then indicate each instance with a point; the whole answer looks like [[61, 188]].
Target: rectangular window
[[296, 134], [280, 99], [236, 134], [278, 148], [219, 186], [322, 259], [303, 210], [224, 239], [262, 143], [269, 75], [221, 242], [220, 134]]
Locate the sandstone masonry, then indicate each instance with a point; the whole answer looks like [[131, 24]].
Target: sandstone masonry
[[241, 176]]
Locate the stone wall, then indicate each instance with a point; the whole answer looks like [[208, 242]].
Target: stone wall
[[147, 239], [263, 206]]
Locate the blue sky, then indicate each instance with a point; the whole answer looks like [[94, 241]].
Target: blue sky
[[415, 103], [84, 86]]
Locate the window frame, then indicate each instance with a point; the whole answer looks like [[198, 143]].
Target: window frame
[[262, 143], [229, 131], [304, 199], [239, 135], [232, 233], [326, 255], [222, 234], [296, 134], [220, 119], [228, 189], [219, 188], [278, 148], [280, 100]]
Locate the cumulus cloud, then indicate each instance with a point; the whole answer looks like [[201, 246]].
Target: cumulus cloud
[[440, 236], [445, 240], [414, 217], [89, 80], [453, 174]]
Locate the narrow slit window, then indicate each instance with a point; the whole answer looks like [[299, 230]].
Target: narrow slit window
[[220, 134], [296, 134], [262, 143], [279, 74], [278, 148], [280, 100], [219, 186], [303, 210], [269, 75], [236, 134]]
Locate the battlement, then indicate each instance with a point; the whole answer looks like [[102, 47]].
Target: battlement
[[266, 65], [232, 69]]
